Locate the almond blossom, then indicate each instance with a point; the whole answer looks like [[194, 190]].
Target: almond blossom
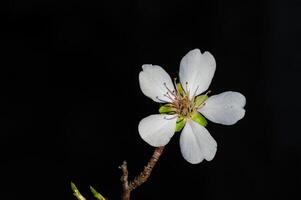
[[185, 104]]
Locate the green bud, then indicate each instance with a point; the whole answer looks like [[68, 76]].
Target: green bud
[[198, 118], [76, 192], [96, 194], [200, 99], [73, 187], [166, 109], [180, 123]]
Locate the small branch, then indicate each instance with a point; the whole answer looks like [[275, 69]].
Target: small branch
[[143, 176], [124, 180]]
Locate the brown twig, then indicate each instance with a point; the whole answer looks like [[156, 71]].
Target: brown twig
[[143, 176], [125, 184]]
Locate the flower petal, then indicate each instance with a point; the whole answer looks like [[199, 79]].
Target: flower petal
[[225, 108], [196, 143], [157, 130], [197, 70], [154, 82]]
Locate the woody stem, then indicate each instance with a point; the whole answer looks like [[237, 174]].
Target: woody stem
[[127, 186]]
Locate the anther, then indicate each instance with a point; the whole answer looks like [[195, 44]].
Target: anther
[[161, 100], [169, 90], [186, 85]]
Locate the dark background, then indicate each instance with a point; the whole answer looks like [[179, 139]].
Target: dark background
[[72, 102]]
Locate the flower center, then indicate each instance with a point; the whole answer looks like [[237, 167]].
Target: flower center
[[181, 104]]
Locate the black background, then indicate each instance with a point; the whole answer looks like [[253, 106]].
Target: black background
[[72, 102]]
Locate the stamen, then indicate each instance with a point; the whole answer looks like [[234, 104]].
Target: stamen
[[168, 96], [194, 94], [186, 85], [175, 83], [161, 100], [169, 90]]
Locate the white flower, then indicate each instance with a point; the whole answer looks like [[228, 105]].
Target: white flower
[[184, 106]]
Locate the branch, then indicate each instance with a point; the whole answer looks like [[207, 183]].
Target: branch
[[143, 176], [124, 180]]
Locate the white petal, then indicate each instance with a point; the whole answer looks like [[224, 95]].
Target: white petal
[[157, 130], [154, 82], [225, 108], [196, 143], [197, 70]]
